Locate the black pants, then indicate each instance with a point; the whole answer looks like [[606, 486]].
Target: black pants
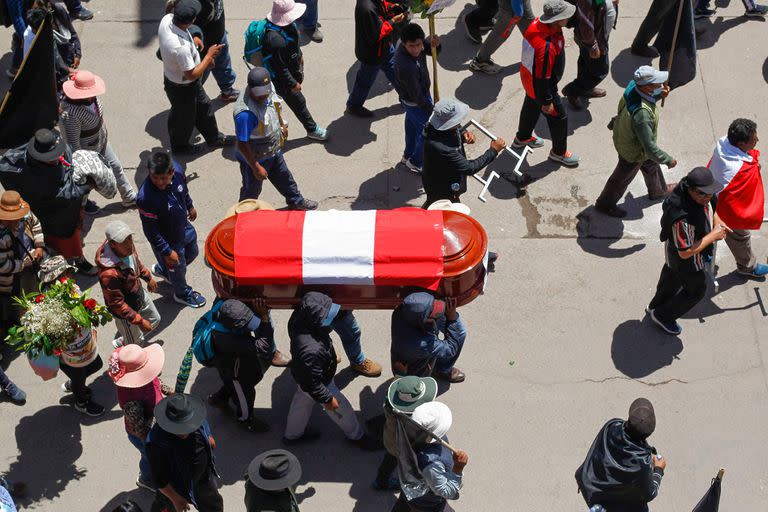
[[206, 495], [190, 108], [590, 72], [558, 124], [77, 377], [677, 292], [298, 104], [241, 389], [658, 11], [386, 468], [623, 175], [401, 505], [482, 15]]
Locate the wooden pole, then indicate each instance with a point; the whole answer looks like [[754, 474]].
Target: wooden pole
[[720, 473], [674, 40], [435, 88]]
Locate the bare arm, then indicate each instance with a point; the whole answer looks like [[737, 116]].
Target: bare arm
[[197, 71]]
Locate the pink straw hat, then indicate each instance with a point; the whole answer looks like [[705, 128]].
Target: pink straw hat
[[285, 12], [132, 366], [84, 85]]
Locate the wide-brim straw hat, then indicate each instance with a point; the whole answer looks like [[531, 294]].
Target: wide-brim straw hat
[[447, 204], [12, 206], [248, 205], [84, 85]]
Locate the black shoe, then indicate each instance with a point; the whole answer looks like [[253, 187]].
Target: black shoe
[[189, 149], [309, 434], [575, 102], [223, 141], [358, 111], [611, 211], [90, 408], [91, 208], [304, 205], [645, 51], [703, 13], [83, 14], [85, 267], [367, 443], [254, 425]]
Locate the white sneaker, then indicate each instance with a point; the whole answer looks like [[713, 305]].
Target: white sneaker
[[410, 166], [117, 342]]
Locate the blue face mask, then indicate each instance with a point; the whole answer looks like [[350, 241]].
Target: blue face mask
[[657, 92], [128, 261]]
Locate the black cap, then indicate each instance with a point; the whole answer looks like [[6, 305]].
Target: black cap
[[185, 11], [703, 179], [259, 82], [642, 418]]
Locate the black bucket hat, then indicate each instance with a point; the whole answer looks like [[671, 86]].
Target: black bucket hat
[[274, 470], [46, 145], [180, 413]]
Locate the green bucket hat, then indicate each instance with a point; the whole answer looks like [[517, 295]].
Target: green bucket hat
[[407, 393]]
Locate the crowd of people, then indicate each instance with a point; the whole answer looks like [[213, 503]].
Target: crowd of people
[[47, 183]]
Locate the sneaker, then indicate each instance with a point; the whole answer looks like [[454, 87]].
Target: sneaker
[[568, 159], [759, 11], [367, 443], [145, 484], [229, 95], [90, 408], [155, 269], [703, 13], [644, 51], [473, 34], [484, 66], [83, 14], [367, 368], [11, 73], [117, 343], [128, 203], [611, 211], [66, 387], [223, 141], [193, 300], [410, 165], [759, 270], [315, 35], [533, 143], [392, 484], [15, 394], [309, 434], [305, 205], [318, 133], [85, 267], [668, 327], [91, 208], [358, 111]]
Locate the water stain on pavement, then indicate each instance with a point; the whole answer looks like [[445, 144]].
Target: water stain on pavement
[[549, 217]]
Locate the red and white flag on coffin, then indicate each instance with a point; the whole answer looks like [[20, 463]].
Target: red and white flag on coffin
[[402, 247]]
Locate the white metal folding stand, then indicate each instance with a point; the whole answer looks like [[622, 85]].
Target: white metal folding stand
[[520, 157]]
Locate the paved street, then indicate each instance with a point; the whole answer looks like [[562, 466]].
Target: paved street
[[558, 344]]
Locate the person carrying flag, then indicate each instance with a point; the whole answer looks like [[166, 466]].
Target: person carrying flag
[[740, 205]]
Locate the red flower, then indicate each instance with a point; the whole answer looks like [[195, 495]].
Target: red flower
[[39, 299], [63, 279], [90, 304], [57, 351]]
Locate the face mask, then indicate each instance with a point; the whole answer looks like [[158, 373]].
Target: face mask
[[656, 92], [127, 261]]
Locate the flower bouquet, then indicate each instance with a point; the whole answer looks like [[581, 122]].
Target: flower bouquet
[[428, 7], [52, 321]]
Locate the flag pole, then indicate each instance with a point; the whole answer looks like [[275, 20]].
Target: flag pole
[[720, 473], [436, 90], [674, 41]]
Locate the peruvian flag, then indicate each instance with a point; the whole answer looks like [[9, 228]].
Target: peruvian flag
[[402, 247], [740, 204]]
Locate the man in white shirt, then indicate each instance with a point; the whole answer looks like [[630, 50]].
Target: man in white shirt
[[183, 70]]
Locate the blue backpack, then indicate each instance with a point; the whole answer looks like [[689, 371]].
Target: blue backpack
[[202, 346], [254, 43]]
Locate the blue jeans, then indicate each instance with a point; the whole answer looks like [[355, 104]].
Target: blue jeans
[[366, 76], [279, 175], [4, 380], [187, 254], [309, 18], [346, 326], [222, 68], [145, 471], [415, 120]]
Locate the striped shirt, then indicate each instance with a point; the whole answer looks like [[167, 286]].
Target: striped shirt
[[10, 263], [83, 125], [683, 238]]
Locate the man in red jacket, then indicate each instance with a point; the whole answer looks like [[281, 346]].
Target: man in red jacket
[[543, 62], [740, 204]]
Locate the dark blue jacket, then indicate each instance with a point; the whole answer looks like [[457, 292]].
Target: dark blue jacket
[[426, 454], [164, 212], [163, 450], [412, 76], [416, 344]]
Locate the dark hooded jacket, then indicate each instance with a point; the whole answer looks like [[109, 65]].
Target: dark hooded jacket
[[680, 206], [240, 353], [50, 190], [374, 32], [618, 470], [416, 345], [313, 362], [446, 163]]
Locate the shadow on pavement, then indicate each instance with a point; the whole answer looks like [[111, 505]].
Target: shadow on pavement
[[149, 15], [714, 29], [639, 348], [480, 91], [623, 66], [598, 232], [380, 86]]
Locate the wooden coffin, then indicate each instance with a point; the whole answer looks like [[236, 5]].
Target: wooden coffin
[[464, 249]]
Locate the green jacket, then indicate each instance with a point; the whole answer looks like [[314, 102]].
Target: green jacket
[[634, 135]]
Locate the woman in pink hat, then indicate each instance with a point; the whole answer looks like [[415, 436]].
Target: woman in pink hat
[[82, 125], [135, 372]]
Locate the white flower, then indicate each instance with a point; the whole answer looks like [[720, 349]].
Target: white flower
[[49, 318]]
